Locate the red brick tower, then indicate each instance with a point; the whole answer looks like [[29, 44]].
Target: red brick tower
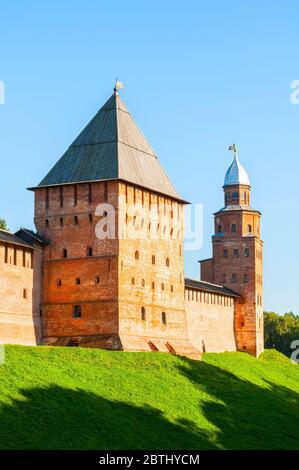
[[116, 292], [237, 257]]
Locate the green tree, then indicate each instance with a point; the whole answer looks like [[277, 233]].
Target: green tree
[[281, 331], [3, 224]]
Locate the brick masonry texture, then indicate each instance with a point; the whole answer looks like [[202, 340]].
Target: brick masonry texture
[[237, 264], [20, 295], [210, 321], [111, 274], [131, 292]]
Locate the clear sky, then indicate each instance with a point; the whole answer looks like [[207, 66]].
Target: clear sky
[[198, 76]]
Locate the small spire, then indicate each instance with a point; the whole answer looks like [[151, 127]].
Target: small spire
[[118, 85], [234, 149]]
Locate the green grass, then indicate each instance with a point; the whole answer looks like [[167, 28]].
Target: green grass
[[74, 398]]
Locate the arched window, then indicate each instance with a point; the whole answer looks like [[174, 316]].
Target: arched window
[[167, 262], [47, 198], [171, 288], [246, 252], [47, 222], [6, 255], [78, 281], [153, 260], [97, 279], [76, 222], [162, 286], [225, 253], [236, 253], [75, 195], [58, 282], [153, 285], [235, 196], [245, 278], [234, 228], [77, 311], [136, 254], [64, 253], [227, 198], [90, 218], [89, 192], [61, 195], [133, 281], [249, 228], [219, 229], [105, 191], [143, 282], [143, 313], [234, 278], [89, 251], [61, 221], [163, 318]]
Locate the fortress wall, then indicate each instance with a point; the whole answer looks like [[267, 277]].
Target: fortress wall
[[19, 310], [151, 273], [210, 319], [81, 280]]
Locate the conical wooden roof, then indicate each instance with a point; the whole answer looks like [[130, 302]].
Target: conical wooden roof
[[111, 147]]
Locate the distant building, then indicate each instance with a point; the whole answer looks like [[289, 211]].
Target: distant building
[[105, 266]]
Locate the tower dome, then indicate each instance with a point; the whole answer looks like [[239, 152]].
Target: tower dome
[[236, 173]]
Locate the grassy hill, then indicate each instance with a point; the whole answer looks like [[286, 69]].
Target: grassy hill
[[73, 398]]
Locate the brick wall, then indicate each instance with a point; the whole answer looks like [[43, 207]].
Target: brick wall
[[154, 282], [128, 300], [210, 320], [237, 264], [206, 270], [19, 298], [68, 218]]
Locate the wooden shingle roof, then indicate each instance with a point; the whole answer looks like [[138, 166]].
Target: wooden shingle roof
[[111, 147], [11, 238], [209, 287]]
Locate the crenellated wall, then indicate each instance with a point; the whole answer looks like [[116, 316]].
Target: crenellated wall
[[67, 216], [151, 272], [19, 294], [210, 320], [130, 287]]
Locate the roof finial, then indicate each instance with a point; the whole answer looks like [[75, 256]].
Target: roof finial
[[118, 85], [234, 149]]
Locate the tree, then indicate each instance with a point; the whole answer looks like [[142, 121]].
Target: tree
[[281, 331], [3, 224]]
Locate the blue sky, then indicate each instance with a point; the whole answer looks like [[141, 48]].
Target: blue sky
[[198, 76]]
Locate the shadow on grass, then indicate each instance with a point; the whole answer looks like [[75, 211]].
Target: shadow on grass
[[247, 416], [59, 418]]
